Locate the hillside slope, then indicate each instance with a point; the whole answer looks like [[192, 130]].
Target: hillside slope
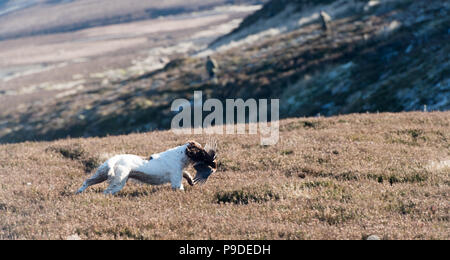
[[31, 17], [386, 56], [379, 55], [343, 177]]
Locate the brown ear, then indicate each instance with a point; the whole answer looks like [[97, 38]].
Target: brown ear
[[196, 152]]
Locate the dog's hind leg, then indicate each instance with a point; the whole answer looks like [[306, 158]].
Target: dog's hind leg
[[118, 180], [100, 176]]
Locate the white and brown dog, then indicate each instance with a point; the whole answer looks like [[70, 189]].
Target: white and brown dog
[[161, 168]]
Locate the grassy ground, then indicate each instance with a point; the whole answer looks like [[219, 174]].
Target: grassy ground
[[344, 177]]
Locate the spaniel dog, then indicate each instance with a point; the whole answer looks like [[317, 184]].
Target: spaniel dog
[[161, 168]]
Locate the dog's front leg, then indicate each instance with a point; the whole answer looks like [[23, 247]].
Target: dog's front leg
[[176, 180], [118, 181], [188, 178]]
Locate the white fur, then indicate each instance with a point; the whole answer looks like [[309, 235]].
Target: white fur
[[165, 167]]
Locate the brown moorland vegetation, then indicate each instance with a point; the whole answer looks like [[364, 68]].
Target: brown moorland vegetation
[[343, 177]]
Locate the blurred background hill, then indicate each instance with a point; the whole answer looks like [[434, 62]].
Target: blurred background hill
[[90, 71], [20, 18]]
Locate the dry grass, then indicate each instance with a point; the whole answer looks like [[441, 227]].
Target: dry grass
[[343, 177]]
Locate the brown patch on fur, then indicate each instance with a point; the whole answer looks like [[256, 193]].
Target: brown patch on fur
[[145, 178], [196, 153], [142, 177]]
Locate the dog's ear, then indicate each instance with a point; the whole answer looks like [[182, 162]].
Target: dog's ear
[[195, 152]]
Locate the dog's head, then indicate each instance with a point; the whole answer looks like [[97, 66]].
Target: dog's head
[[204, 159]]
